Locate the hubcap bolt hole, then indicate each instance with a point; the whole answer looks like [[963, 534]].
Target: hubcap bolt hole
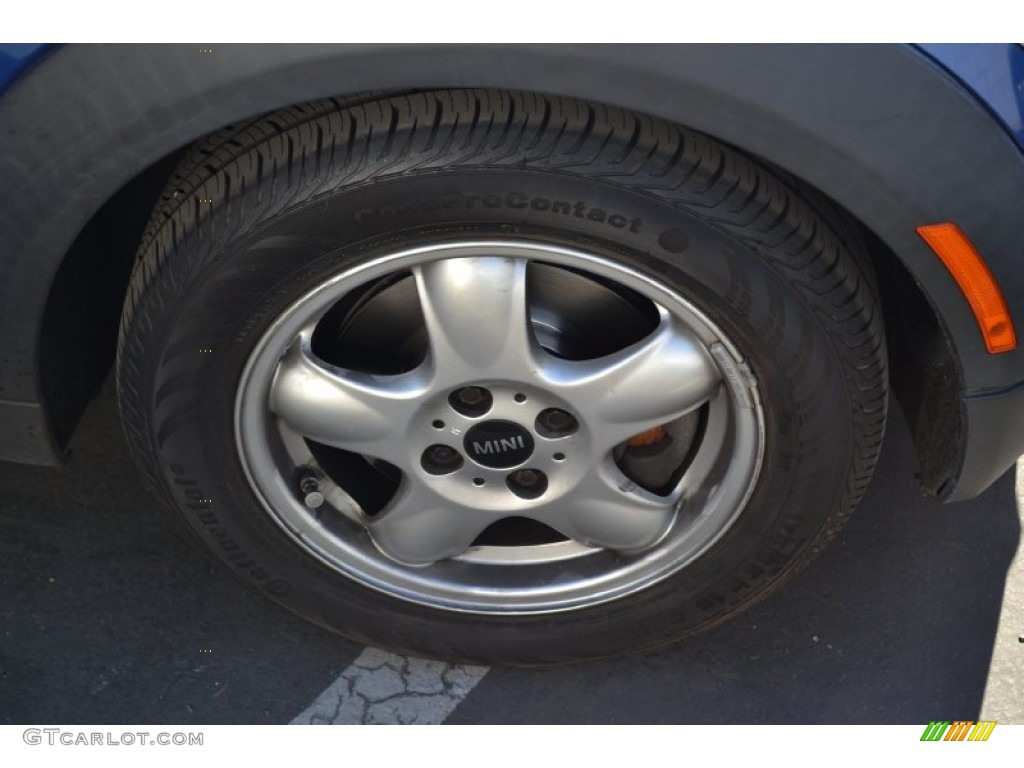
[[554, 422], [478, 481], [437, 424], [441, 460], [559, 457], [471, 401], [519, 397], [527, 483]]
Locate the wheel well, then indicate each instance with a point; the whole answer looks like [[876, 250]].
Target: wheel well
[[79, 329], [83, 309], [924, 371]]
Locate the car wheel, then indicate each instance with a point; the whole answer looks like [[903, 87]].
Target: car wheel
[[500, 377]]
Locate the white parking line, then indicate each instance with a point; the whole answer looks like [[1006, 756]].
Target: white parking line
[[381, 687]]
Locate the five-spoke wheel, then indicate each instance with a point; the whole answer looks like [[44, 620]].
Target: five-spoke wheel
[[498, 418]]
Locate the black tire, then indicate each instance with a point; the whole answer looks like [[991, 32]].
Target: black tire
[[269, 211]]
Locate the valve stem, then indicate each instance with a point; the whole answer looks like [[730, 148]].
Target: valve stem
[[309, 489]]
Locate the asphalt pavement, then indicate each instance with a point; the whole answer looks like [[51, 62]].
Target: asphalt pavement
[[108, 615]]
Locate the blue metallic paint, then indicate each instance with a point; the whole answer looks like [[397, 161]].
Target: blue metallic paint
[[15, 58], [993, 73]]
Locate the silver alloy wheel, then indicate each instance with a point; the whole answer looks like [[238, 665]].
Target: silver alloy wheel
[[482, 331]]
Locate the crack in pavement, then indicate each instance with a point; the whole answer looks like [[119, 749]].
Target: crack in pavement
[[384, 688]]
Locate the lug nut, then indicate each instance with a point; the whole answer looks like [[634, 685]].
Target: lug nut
[[471, 395], [441, 460], [309, 489], [442, 454], [471, 401], [527, 483], [526, 477], [554, 422]]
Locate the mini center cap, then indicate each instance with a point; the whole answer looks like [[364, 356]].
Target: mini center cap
[[498, 444]]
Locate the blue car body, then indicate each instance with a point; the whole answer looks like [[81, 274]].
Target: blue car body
[[15, 58]]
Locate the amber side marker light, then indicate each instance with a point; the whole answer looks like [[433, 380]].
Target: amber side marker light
[[975, 280]]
